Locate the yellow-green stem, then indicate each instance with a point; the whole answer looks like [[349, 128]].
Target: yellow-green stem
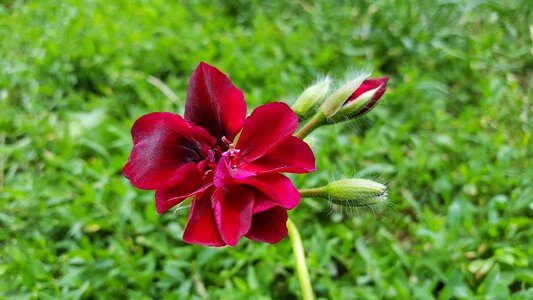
[[313, 193], [316, 121], [299, 259]]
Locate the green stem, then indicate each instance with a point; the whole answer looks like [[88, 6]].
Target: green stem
[[316, 121], [2, 141], [313, 193], [299, 258]]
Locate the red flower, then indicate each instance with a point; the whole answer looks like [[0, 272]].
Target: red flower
[[237, 187], [368, 85]]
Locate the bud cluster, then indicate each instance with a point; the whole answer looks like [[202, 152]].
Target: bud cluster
[[351, 100]]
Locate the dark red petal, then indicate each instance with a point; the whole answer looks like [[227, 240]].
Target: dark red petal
[[262, 201], [233, 212], [162, 142], [292, 156], [366, 86], [276, 186], [269, 226], [201, 227], [186, 181], [214, 103], [265, 128]]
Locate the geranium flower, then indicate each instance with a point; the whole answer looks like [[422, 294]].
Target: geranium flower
[[237, 186]]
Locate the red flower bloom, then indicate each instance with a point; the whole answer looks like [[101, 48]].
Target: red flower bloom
[[237, 188]]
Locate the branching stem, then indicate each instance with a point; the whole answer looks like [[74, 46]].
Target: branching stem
[[316, 121]]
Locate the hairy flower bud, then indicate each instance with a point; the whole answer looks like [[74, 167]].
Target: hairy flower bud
[[311, 98], [363, 99], [356, 192], [339, 97]]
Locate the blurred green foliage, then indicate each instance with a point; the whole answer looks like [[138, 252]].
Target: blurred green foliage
[[452, 136]]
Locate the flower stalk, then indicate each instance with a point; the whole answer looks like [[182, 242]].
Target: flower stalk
[[299, 258], [316, 121], [313, 193]]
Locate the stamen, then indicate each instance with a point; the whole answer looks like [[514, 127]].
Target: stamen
[[226, 141], [217, 150], [211, 156]]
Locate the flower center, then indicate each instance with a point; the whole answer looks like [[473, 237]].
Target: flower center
[[209, 164], [231, 153]]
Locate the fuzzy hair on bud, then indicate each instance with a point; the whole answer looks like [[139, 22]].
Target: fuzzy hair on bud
[[311, 98], [353, 108], [335, 101], [363, 100]]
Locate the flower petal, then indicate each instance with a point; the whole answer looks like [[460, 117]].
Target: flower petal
[[233, 212], [262, 201], [201, 227], [269, 226], [265, 128], [214, 103], [162, 142], [292, 156], [276, 186], [226, 175], [366, 86], [186, 181]]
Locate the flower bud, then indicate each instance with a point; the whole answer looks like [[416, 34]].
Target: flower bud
[[339, 97], [356, 192], [363, 99], [311, 98]]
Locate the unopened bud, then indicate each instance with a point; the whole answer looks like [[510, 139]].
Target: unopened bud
[[311, 98], [339, 97], [363, 99], [356, 192]]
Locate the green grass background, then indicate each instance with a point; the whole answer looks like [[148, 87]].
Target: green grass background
[[452, 137]]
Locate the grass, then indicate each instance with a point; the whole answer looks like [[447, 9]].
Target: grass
[[452, 136]]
